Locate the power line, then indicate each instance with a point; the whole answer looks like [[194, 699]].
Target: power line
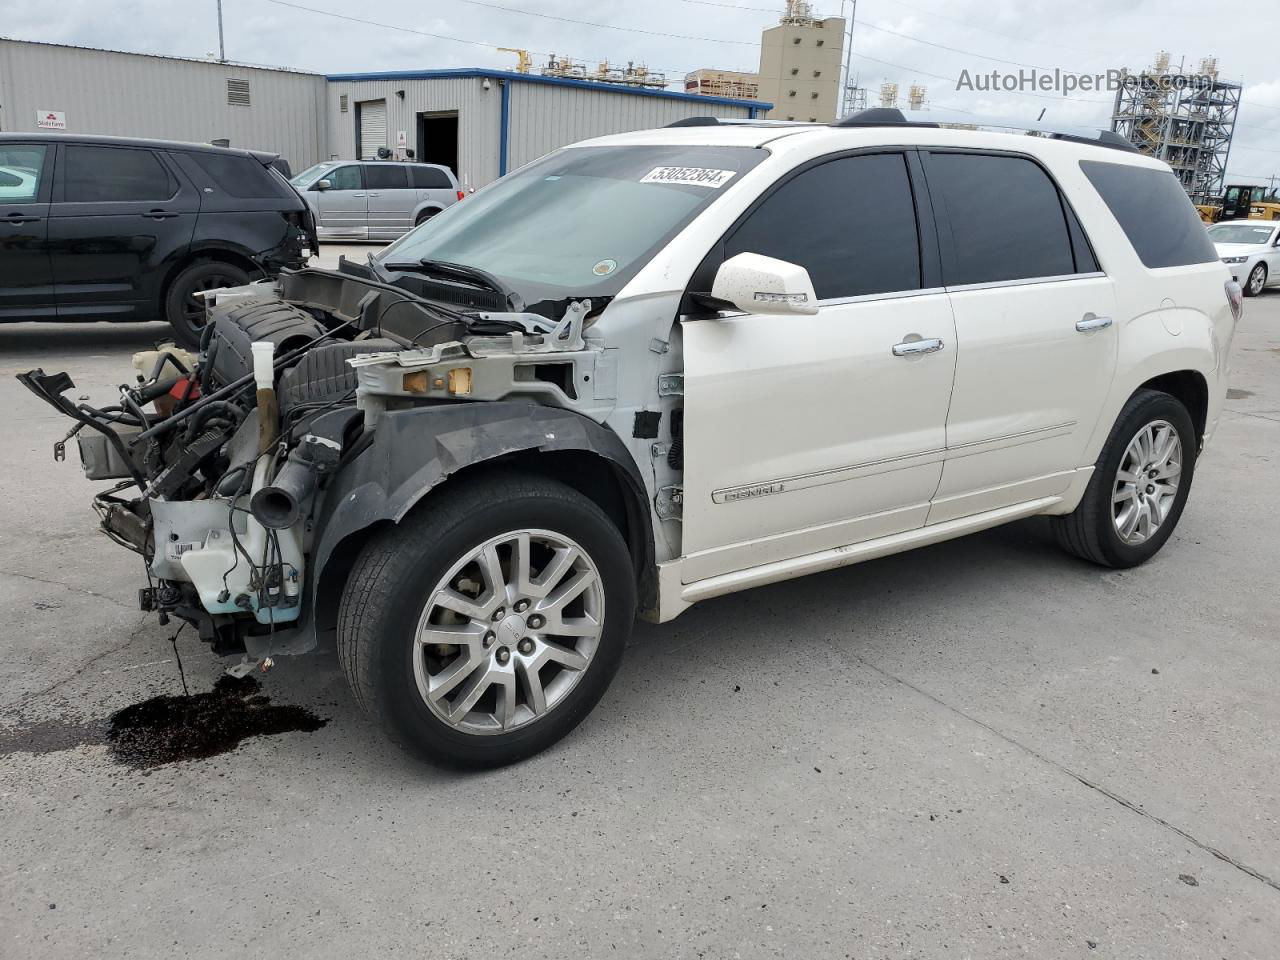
[[607, 26], [422, 33]]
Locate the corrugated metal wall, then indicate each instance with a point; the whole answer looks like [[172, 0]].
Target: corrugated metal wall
[[479, 117], [129, 95], [546, 116]]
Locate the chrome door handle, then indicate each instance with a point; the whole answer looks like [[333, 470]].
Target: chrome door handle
[[375, 194], [1091, 321], [911, 348]]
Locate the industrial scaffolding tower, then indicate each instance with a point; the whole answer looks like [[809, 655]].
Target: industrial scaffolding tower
[[1184, 119]]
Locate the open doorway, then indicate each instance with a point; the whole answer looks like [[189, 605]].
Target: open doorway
[[438, 139]]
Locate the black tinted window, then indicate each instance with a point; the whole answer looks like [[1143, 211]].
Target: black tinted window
[[1006, 218], [97, 174], [850, 222], [430, 178], [1154, 211], [385, 177], [238, 176]]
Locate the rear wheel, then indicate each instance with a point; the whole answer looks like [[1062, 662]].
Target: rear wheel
[[1139, 485], [424, 216], [1257, 280], [184, 309], [484, 628]]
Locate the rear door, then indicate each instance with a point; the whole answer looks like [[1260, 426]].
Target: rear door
[[342, 211], [806, 433], [1035, 331], [121, 218], [391, 200], [26, 276]]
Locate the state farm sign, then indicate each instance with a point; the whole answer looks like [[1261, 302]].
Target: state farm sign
[[51, 120]]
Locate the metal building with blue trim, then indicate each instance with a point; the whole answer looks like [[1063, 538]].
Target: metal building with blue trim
[[483, 123]]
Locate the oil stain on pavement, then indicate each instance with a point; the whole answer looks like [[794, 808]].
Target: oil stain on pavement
[[169, 729]]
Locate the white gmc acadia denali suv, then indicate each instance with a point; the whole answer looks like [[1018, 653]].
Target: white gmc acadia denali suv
[[659, 367]]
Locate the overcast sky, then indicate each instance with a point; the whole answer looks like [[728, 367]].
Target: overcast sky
[[1081, 36]]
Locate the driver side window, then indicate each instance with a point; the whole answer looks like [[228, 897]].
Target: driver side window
[[346, 178], [850, 222]]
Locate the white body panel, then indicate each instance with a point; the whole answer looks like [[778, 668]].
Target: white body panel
[[805, 432]]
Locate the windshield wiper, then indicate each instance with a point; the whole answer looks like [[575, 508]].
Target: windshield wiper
[[460, 271]]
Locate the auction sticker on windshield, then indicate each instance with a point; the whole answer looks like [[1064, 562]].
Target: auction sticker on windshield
[[689, 176]]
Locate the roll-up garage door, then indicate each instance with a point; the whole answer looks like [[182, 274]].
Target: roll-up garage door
[[373, 128]]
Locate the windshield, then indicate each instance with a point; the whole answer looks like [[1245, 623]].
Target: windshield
[[1239, 233], [310, 175], [579, 222]]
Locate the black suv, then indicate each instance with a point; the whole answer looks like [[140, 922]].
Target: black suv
[[110, 228]]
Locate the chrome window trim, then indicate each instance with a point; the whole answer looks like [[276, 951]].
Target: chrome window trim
[[1027, 281], [873, 297]]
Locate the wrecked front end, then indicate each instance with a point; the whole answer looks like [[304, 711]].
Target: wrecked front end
[[230, 463]]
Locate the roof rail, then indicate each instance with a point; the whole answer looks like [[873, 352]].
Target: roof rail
[[880, 117], [1092, 136], [736, 122]]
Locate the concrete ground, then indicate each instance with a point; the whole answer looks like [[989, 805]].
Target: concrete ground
[[981, 749]]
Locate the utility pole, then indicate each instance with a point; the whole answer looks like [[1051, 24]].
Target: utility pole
[[848, 52], [222, 50]]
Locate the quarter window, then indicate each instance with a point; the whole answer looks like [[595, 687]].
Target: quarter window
[[1154, 212], [429, 178], [115, 174], [850, 222], [21, 167], [388, 176], [1006, 219]]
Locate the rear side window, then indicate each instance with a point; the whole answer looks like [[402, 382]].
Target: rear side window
[[850, 222], [21, 167], [385, 177], [430, 178], [1154, 212], [119, 174], [1007, 220], [235, 176]]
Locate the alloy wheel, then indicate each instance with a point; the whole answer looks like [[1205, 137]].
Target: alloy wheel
[[193, 307], [508, 632], [1146, 484], [1257, 279]]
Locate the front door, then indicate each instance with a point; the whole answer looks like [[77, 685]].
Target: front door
[[1035, 330], [805, 433], [26, 278], [122, 217], [342, 210]]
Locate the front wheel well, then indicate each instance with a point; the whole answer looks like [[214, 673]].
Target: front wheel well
[[1191, 389], [592, 475]]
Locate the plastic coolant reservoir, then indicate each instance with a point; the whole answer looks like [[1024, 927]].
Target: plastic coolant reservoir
[[217, 565]]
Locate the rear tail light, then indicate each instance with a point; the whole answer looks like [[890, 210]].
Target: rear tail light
[[1235, 297], [461, 195]]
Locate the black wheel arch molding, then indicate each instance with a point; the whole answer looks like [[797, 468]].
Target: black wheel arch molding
[[412, 452]]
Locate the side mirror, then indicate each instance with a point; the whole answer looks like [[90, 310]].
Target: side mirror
[[324, 185], [758, 284]]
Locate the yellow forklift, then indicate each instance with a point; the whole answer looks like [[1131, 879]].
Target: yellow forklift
[[1242, 202]]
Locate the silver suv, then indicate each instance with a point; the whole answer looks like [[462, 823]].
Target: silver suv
[[375, 199]]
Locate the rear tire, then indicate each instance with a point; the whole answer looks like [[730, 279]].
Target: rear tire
[[1098, 530], [457, 689], [424, 216], [184, 310]]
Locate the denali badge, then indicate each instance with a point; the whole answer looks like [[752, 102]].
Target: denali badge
[[747, 493]]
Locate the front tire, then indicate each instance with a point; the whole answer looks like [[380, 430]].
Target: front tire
[[1257, 280], [184, 310], [1139, 485], [485, 626]]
